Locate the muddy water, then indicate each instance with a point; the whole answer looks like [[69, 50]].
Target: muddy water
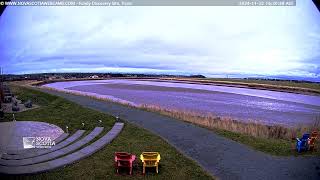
[[244, 104]]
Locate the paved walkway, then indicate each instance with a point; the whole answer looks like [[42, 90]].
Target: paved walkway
[[68, 159], [52, 155], [12, 133], [27, 153], [221, 157], [22, 151]]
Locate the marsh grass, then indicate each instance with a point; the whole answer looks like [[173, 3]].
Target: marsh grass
[[252, 128], [279, 85], [273, 139]]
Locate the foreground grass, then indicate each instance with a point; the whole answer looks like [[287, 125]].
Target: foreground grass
[[277, 147], [61, 112]]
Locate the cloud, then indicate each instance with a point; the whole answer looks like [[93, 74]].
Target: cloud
[[189, 40]]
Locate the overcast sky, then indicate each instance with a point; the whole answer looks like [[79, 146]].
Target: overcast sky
[[175, 40]]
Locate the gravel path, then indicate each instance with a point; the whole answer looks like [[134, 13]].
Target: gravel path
[[221, 157]]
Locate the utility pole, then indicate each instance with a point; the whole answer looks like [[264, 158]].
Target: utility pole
[[1, 79], [1, 89]]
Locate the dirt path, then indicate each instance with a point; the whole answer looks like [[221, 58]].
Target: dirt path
[[221, 157]]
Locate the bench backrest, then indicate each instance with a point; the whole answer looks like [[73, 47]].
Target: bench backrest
[[150, 157], [123, 156], [312, 141], [314, 134], [305, 136]]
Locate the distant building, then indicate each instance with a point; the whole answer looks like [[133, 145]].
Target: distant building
[[55, 77], [94, 76]]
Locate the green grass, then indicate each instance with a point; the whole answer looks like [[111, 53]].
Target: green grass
[[280, 85], [277, 147], [272, 82], [56, 110], [309, 85]]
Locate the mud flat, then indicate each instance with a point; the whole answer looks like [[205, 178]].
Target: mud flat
[[268, 107]]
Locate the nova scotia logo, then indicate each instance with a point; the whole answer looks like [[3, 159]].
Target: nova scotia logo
[[37, 142], [29, 142]]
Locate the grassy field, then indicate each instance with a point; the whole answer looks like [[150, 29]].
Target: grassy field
[[280, 85], [300, 84], [56, 110], [277, 147]]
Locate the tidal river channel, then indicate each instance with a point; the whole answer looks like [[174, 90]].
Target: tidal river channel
[[269, 107]]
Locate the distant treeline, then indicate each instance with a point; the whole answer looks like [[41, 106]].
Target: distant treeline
[[52, 76], [57, 76], [275, 79]]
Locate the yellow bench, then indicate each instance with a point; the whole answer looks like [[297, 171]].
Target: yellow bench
[[150, 159]]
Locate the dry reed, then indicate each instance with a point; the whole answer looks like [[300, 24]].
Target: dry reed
[[252, 128]]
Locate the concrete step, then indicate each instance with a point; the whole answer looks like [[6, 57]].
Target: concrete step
[[68, 159]]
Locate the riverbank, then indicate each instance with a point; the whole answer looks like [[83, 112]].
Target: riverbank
[[272, 139], [299, 87], [242, 104], [220, 156]]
